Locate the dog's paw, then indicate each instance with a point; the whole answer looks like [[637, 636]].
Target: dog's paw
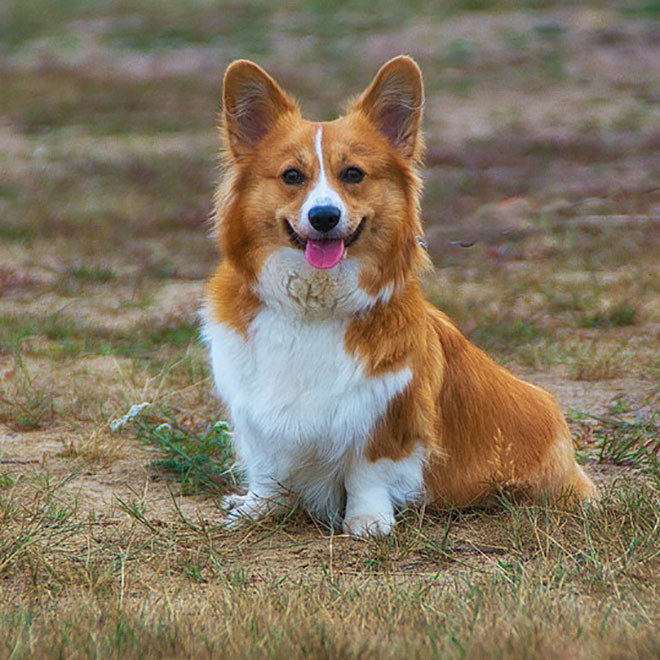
[[368, 525], [229, 502], [243, 508]]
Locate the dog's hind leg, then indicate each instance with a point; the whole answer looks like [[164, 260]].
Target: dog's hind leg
[[561, 477]]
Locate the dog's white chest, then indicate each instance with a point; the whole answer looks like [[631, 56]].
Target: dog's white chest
[[301, 406], [292, 382]]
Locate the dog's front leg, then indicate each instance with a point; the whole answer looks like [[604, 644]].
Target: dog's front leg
[[264, 479], [369, 507]]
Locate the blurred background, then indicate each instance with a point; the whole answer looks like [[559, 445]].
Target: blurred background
[[543, 129]]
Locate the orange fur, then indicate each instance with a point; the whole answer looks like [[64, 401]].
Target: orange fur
[[483, 428], [231, 298]]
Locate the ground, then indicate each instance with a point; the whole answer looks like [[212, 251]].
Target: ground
[[543, 134]]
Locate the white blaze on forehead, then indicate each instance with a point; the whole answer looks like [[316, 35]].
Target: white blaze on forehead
[[322, 194], [318, 147]]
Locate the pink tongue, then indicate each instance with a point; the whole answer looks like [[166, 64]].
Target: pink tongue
[[324, 254]]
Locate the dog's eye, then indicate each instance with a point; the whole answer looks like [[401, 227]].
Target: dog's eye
[[352, 175], [293, 177]]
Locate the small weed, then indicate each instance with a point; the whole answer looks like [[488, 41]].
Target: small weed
[[194, 572], [615, 439], [6, 480], [137, 510], [201, 460]]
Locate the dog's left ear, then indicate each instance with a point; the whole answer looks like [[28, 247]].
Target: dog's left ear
[[394, 101], [252, 105]]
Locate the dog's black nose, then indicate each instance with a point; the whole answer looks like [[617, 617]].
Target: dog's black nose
[[324, 218]]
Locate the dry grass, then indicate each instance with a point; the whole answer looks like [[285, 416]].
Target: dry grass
[[511, 581], [24, 403], [593, 362], [543, 139]]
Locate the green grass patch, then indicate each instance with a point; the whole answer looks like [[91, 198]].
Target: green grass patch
[[179, 333], [22, 20], [16, 233], [143, 341], [38, 101], [648, 8], [620, 315], [499, 5], [152, 24], [507, 335], [92, 273], [73, 336], [165, 26]]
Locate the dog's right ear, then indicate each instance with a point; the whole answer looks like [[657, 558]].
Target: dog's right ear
[[252, 104], [393, 102]]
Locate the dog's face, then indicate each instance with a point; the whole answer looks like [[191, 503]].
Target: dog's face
[[334, 203]]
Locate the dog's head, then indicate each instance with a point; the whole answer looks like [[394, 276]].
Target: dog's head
[[330, 202]]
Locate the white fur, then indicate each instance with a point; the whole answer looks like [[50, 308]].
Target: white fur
[[290, 284], [301, 406], [321, 194], [373, 489]]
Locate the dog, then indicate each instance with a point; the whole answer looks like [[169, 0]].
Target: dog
[[345, 387]]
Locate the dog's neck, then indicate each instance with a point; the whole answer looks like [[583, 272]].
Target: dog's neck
[[289, 284]]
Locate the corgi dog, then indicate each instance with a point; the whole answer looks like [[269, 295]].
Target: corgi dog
[[344, 386]]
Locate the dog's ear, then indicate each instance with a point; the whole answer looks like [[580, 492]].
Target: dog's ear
[[252, 104], [394, 101]]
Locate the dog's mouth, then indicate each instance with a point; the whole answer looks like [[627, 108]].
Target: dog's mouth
[[323, 253]]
